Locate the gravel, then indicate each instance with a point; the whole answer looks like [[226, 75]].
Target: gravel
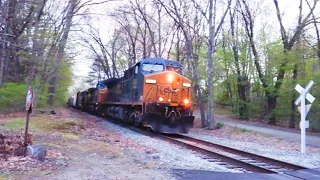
[[170, 156], [279, 151]]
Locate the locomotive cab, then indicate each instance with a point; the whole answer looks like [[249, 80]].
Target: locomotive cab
[[167, 99]]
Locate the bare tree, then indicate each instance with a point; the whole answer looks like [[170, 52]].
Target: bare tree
[[14, 25], [74, 7], [272, 90], [178, 14], [316, 28], [242, 78], [215, 24], [60, 50]]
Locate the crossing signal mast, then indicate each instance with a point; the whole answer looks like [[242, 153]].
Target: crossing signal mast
[[304, 110]]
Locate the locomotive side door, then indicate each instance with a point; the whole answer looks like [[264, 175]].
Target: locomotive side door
[[135, 83]]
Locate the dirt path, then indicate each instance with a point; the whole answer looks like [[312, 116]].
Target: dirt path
[[80, 148]]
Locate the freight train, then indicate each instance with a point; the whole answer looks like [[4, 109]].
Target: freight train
[[153, 93]]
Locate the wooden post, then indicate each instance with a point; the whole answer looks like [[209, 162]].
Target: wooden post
[[29, 103], [27, 127]]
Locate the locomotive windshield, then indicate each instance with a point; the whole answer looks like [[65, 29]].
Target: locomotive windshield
[[175, 69], [152, 67], [101, 85]]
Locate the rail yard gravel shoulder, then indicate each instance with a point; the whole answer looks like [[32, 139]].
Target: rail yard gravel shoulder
[[175, 157], [170, 156], [260, 144]]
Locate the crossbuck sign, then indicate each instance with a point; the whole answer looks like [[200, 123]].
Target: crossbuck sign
[[304, 109]]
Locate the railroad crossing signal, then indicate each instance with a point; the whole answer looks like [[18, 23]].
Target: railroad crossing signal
[[309, 97], [308, 107], [304, 110]]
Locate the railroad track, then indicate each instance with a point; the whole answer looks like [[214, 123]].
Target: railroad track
[[233, 158], [223, 155]]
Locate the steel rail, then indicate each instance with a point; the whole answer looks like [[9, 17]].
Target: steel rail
[[211, 153], [207, 148], [244, 153]]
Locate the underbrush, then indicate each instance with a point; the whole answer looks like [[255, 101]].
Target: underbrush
[[13, 96], [219, 125]]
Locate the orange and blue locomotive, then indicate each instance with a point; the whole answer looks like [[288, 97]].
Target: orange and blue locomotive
[[153, 93]]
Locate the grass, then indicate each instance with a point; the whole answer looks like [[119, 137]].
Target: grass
[[71, 135], [222, 110], [15, 124], [240, 130], [68, 125], [42, 123], [244, 130], [4, 177]]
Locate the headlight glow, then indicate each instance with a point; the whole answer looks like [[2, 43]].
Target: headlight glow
[[151, 81], [186, 85], [170, 78]]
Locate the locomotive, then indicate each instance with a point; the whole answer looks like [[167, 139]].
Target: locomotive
[[153, 93]]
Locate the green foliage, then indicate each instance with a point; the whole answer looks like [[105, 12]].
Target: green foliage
[[219, 125], [244, 130], [13, 96], [221, 94], [16, 124], [65, 81], [272, 55]]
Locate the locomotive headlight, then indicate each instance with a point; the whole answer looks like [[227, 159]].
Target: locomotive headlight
[[186, 85], [151, 81], [170, 78], [160, 99], [186, 101]]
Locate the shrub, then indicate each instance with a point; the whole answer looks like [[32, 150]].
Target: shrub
[[12, 96], [219, 125]]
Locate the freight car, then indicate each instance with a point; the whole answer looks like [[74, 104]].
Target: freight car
[[153, 93]]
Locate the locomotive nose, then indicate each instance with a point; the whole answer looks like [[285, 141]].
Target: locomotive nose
[[174, 80]]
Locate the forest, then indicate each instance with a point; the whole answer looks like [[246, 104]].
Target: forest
[[244, 55]]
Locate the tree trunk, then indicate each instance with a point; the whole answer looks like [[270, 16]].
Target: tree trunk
[[242, 89], [3, 55], [60, 52], [195, 78], [3, 52], [241, 79], [17, 67], [211, 48], [36, 50], [272, 104], [7, 51], [159, 31]]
